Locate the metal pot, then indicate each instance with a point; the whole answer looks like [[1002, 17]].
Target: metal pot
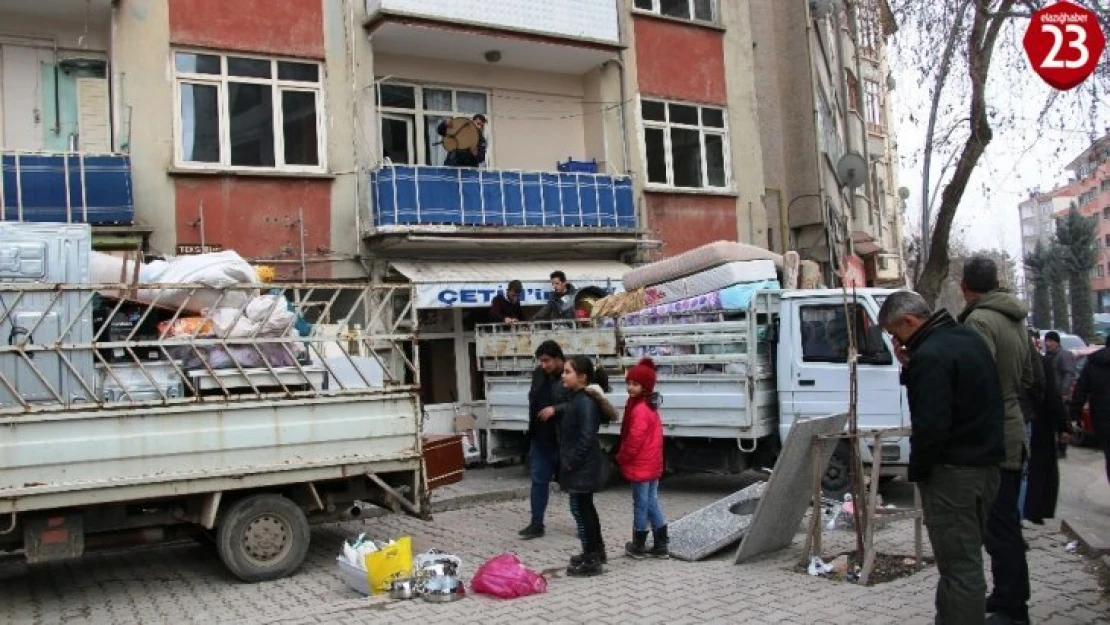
[[442, 589], [402, 588]]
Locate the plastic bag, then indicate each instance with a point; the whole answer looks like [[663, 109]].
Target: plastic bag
[[392, 559], [505, 576]]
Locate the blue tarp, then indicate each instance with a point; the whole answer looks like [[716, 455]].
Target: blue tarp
[[37, 183], [411, 196]]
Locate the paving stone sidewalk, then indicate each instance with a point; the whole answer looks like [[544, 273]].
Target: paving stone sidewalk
[[187, 583]]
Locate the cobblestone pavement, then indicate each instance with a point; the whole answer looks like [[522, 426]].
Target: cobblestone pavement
[[187, 583]]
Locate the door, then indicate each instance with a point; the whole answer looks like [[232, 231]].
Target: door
[[398, 144], [93, 125], [818, 371], [21, 70]]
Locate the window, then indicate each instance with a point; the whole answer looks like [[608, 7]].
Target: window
[[1026, 211], [873, 105], [1028, 230], [685, 145], [1106, 213], [824, 335], [867, 14], [693, 10], [1046, 209], [853, 91], [1104, 186], [410, 115], [1101, 271], [1087, 197], [248, 112], [1106, 241]]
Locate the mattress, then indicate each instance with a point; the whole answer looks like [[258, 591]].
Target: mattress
[[708, 281], [697, 260], [735, 297]]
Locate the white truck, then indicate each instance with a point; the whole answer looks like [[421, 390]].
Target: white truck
[[732, 382], [127, 430]]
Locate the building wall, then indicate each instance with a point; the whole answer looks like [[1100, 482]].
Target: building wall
[[722, 76], [279, 27]]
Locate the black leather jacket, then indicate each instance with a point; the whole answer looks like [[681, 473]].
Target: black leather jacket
[[580, 454]]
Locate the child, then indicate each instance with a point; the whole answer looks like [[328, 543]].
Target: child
[[581, 459], [641, 461]]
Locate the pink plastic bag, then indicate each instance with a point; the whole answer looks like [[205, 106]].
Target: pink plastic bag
[[505, 576]]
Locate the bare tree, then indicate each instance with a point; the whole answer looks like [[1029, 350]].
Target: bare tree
[[961, 120]]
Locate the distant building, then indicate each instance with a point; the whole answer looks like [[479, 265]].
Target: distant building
[[1091, 187], [1036, 214]]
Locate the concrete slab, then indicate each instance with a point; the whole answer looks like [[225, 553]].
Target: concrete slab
[[790, 489], [717, 526], [1096, 542]]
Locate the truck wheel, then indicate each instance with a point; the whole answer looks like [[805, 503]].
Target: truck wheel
[[835, 482], [263, 537]]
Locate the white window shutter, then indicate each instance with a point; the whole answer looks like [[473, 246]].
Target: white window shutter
[[93, 120]]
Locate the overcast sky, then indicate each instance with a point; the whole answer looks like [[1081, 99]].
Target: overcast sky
[[1022, 155]]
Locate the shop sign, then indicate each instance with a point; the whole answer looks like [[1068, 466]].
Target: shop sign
[[480, 295]]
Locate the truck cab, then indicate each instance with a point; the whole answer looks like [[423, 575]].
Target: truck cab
[[813, 373]]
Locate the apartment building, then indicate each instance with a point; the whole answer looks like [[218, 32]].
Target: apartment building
[[303, 134], [1037, 214], [824, 90], [1090, 185]]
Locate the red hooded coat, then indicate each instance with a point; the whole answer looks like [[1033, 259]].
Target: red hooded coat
[[641, 450]]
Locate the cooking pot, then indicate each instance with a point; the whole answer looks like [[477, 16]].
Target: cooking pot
[[402, 588], [442, 589]]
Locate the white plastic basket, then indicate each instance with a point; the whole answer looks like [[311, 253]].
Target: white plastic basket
[[354, 577]]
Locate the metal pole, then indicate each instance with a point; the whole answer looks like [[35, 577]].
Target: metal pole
[[300, 225], [201, 224]]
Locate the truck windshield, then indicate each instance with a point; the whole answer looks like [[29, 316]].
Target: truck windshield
[[824, 335]]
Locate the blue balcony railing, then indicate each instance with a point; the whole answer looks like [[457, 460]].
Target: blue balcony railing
[[410, 197], [66, 187]]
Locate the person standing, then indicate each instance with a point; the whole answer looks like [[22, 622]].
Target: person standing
[[999, 318], [641, 461], [1031, 400], [471, 157], [1094, 386], [543, 449], [561, 304], [956, 443], [1063, 367], [1050, 422], [581, 462], [506, 307]]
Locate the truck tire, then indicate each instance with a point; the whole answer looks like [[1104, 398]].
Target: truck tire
[[263, 537], [835, 482]]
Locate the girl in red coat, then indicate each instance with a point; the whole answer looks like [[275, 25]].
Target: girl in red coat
[[641, 461]]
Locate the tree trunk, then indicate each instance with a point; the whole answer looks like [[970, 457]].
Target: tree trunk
[[1082, 306], [1042, 303], [984, 33], [1060, 319]]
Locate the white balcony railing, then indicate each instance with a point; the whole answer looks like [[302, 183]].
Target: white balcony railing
[[589, 20]]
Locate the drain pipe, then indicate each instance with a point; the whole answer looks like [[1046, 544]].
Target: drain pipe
[[11, 527], [623, 104]]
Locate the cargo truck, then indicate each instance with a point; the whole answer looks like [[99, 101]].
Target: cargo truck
[[162, 419], [732, 382]]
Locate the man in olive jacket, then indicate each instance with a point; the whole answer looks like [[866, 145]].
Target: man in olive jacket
[[1000, 318]]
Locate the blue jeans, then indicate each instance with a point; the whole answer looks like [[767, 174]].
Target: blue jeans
[[1024, 475], [645, 506], [543, 461]]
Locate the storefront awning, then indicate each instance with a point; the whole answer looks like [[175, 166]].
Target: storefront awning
[[449, 284]]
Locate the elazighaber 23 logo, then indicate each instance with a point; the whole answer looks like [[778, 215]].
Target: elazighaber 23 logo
[[1064, 43]]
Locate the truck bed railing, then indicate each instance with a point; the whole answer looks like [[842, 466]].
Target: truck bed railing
[[67, 347]]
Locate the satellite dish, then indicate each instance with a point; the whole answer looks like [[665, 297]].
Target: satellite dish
[[820, 9], [904, 192], [851, 170]]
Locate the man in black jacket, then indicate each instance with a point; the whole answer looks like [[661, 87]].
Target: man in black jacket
[[956, 443], [543, 451], [1094, 386]]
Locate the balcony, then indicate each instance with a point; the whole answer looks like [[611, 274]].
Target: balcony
[[441, 206], [66, 187], [566, 36]]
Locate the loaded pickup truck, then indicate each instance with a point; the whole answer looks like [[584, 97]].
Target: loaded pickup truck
[[733, 382], [128, 416]]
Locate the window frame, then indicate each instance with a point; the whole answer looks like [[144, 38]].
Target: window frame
[[668, 148], [420, 113], [656, 10], [866, 322], [277, 87], [871, 93]]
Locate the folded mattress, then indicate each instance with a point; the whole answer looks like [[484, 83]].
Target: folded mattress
[[715, 279], [696, 260]]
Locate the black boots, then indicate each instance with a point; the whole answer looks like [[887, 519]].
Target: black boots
[[588, 565], [637, 549], [600, 555], [659, 543]]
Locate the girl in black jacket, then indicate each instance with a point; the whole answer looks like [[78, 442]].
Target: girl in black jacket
[[581, 461]]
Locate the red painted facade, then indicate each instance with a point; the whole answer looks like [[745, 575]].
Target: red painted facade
[[278, 27], [683, 222], [664, 66], [258, 218]]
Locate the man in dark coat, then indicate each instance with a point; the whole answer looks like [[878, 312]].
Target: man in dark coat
[[999, 317], [543, 451], [1049, 423], [956, 443], [1094, 386], [506, 307], [466, 158], [561, 304]]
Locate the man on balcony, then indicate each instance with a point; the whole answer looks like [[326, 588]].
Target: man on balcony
[[506, 306], [463, 148]]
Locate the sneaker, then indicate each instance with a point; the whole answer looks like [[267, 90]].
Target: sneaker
[[532, 531]]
